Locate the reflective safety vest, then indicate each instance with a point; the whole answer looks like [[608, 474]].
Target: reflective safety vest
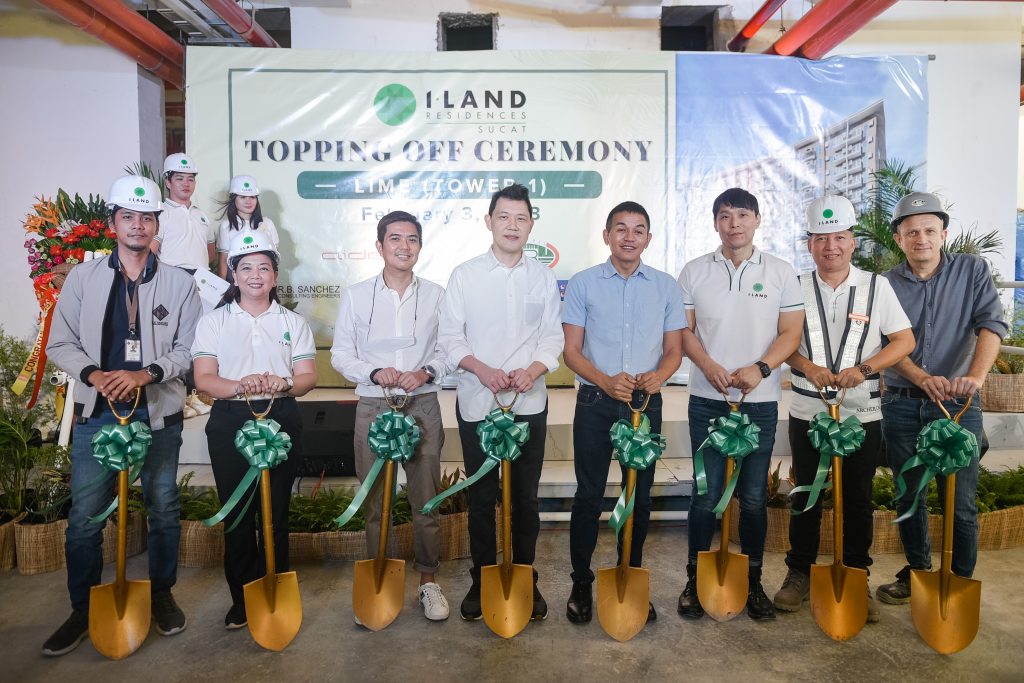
[[819, 346]]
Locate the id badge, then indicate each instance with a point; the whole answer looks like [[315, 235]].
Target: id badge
[[133, 351]]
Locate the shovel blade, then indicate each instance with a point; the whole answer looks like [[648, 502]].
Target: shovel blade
[[623, 618], [507, 603], [839, 599], [273, 624], [950, 630], [118, 633], [722, 586], [376, 606]]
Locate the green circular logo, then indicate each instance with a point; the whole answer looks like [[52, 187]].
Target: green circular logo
[[247, 240], [395, 104], [245, 184], [139, 192], [827, 213], [184, 162], [758, 287]]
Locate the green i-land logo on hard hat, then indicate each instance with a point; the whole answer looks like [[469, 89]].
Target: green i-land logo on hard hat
[[139, 192], [827, 213], [245, 185], [247, 240], [184, 161], [395, 104]]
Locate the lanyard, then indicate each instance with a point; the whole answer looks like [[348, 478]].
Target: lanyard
[[132, 302]]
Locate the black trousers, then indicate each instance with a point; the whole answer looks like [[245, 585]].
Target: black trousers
[[244, 559], [483, 494], [858, 470]]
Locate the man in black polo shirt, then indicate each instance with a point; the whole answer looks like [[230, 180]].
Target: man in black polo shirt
[[958, 324]]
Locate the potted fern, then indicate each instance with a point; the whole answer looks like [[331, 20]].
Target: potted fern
[[200, 545]]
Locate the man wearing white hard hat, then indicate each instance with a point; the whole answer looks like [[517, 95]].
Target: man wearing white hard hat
[[124, 323], [847, 312], [242, 212], [186, 237]]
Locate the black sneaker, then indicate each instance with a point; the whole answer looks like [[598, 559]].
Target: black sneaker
[[580, 607], [651, 614], [759, 607], [540, 605], [235, 618], [471, 604], [168, 616], [68, 636], [897, 592], [689, 603]]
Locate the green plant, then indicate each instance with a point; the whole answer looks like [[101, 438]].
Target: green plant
[[49, 495], [996, 491], [775, 498], [143, 169], [1012, 363], [197, 503], [458, 502], [316, 513]]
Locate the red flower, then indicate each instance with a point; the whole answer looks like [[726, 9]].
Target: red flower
[[55, 250], [71, 239], [52, 232], [110, 234]]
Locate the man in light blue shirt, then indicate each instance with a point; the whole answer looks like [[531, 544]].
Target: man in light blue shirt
[[623, 322]]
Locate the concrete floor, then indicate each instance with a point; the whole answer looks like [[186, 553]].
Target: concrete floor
[[331, 648]]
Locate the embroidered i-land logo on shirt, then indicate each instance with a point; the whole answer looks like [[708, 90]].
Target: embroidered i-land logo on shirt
[[286, 339], [758, 291]]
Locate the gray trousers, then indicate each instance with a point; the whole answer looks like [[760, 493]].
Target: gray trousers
[[423, 473]]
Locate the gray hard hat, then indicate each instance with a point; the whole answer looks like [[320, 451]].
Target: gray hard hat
[[918, 203]]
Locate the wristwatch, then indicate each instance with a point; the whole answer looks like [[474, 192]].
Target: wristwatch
[[154, 371], [430, 374], [290, 382], [865, 369], [763, 367]]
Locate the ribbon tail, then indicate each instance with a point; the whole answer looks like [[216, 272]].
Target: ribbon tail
[[489, 464], [361, 494], [621, 512], [727, 494], [245, 508], [817, 487], [236, 496], [700, 475], [106, 513], [925, 480]]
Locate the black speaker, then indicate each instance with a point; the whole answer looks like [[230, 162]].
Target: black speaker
[[327, 431]]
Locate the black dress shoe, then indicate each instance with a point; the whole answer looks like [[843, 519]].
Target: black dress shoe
[[540, 605], [689, 603], [759, 607], [651, 614], [579, 608], [471, 604]]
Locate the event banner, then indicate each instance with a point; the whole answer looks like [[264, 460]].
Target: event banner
[[336, 140]]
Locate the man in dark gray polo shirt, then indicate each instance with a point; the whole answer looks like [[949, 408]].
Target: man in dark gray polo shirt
[[958, 325]]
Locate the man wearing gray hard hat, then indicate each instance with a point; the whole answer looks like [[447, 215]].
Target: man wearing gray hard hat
[[841, 350], [958, 325]]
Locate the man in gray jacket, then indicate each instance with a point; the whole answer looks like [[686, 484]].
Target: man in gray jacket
[[123, 324]]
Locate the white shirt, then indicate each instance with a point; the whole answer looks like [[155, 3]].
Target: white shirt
[[505, 317], [886, 317], [225, 234], [243, 345], [377, 328], [184, 233], [737, 313]]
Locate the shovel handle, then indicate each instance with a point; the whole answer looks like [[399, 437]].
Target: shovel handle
[[506, 517], [120, 583], [123, 419], [955, 418], [270, 580], [380, 562], [505, 407]]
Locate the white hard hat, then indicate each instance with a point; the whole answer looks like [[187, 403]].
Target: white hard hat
[[180, 163], [135, 192], [830, 213], [250, 242], [244, 186]]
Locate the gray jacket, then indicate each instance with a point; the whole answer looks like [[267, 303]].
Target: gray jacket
[[169, 309]]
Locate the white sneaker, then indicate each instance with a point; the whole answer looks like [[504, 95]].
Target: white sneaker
[[197, 404], [435, 606], [188, 411]]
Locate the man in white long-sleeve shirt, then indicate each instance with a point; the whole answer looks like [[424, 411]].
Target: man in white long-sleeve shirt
[[500, 324], [386, 337]]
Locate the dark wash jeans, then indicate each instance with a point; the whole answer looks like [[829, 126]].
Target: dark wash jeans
[[752, 487], [596, 412], [858, 471], [902, 420], [483, 494]]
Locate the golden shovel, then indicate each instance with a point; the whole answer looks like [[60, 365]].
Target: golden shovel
[[273, 605], [624, 592], [839, 594], [120, 612], [946, 608], [378, 585], [506, 589], [722, 576]]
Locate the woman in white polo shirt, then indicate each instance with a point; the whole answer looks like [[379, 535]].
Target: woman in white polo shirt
[[252, 346], [242, 213]]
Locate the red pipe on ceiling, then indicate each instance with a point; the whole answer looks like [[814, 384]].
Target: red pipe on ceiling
[[235, 17], [844, 25], [99, 26], [808, 25], [760, 18], [141, 28]]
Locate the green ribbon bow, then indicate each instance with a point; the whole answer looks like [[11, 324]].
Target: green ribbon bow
[[734, 436], [264, 446], [392, 436], [500, 438], [637, 449], [121, 447], [943, 447], [830, 438]]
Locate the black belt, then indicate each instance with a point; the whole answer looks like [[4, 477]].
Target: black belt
[[908, 392]]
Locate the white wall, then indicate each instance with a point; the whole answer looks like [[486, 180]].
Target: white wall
[[70, 119]]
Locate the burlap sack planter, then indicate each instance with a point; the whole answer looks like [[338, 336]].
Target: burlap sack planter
[[1003, 393], [136, 537], [8, 554], [40, 547], [200, 545], [344, 545]]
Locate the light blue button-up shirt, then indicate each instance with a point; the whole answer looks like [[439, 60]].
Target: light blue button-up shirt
[[624, 320]]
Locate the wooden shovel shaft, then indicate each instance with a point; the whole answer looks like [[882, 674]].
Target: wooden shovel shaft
[[506, 520], [266, 512], [120, 586], [380, 562]]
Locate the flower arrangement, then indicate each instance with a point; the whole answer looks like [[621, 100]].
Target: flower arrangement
[[62, 231]]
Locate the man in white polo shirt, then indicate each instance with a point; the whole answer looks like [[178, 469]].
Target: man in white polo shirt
[[187, 237], [386, 337], [847, 312], [745, 313]]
